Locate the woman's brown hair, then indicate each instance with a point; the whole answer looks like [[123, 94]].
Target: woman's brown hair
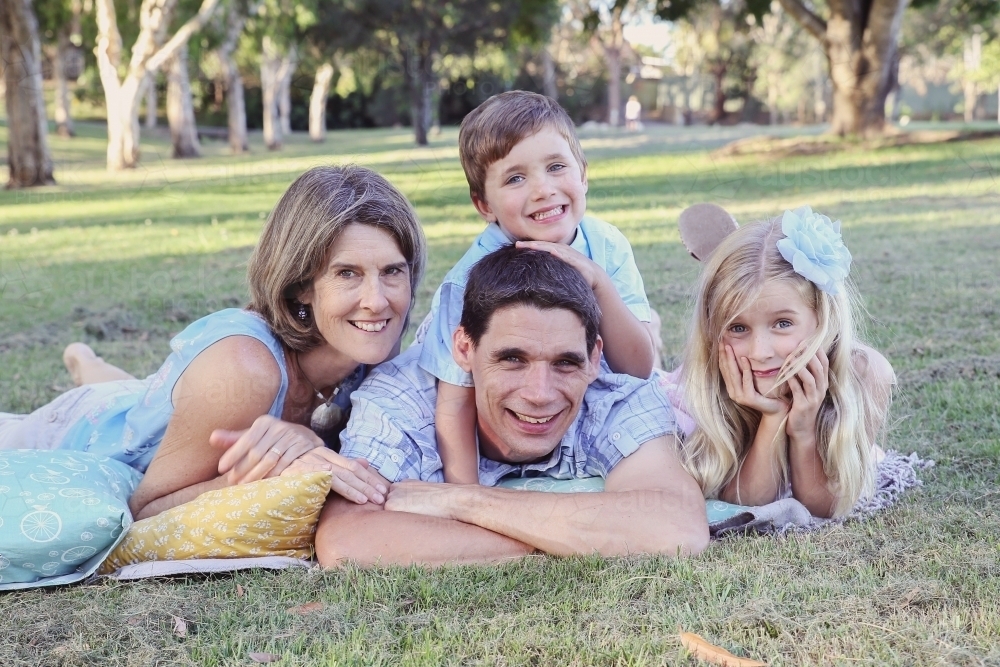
[[301, 230]]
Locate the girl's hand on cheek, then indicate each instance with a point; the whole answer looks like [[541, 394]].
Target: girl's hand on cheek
[[738, 377], [809, 387]]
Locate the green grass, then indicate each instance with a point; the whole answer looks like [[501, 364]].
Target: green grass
[[124, 261]]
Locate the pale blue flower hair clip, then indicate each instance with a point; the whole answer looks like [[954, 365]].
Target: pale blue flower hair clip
[[815, 249]]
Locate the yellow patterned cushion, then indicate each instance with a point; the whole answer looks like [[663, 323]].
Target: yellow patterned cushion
[[272, 517]]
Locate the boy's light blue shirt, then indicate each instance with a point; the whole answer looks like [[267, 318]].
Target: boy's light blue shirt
[[595, 239]]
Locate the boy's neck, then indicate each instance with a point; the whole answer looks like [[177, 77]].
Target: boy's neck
[[514, 239]]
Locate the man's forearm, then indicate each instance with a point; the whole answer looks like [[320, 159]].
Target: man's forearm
[[368, 535], [610, 523]]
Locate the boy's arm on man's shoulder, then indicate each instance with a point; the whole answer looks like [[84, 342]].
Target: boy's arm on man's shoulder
[[650, 505], [628, 346]]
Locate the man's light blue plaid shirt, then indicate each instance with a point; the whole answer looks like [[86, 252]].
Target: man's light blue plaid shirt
[[595, 239], [392, 426]]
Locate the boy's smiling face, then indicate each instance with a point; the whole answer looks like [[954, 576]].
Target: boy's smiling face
[[538, 192]]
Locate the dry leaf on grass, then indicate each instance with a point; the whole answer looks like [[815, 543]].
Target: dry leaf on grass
[[306, 608], [180, 626], [264, 657], [702, 650], [239, 591], [909, 597]]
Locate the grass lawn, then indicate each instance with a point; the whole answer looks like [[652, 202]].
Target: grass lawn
[[125, 261]]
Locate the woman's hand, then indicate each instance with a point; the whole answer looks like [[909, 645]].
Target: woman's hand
[[352, 478], [808, 387], [263, 450], [738, 377], [272, 446]]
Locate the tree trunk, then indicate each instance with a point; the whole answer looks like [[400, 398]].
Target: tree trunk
[[270, 66], [288, 64], [860, 42], [180, 110], [970, 88], [613, 44], [772, 98], [64, 118], [235, 102], [419, 78], [317, 102], [719, 102], [27, 133], [613, 60], [149, 53], [151, 103], [549, 75]]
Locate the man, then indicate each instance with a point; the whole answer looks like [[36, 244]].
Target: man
[[528, 336]]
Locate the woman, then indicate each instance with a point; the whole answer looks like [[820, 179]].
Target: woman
[[331, 284]]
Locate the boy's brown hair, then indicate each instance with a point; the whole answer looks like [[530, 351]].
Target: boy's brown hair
[[492, 129]]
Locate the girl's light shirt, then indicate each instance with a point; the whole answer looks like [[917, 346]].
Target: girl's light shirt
[[595, 239]]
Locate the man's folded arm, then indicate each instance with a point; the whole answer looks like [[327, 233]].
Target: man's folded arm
[[650, 505], [369, 535]]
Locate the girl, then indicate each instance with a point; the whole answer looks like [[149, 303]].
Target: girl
[[780, 390]]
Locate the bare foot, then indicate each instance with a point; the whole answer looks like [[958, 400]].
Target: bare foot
[[75, 357]]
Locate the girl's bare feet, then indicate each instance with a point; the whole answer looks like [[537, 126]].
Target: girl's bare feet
[[85, 367]]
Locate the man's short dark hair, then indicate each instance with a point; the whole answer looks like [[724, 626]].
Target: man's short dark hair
[[513, 276]]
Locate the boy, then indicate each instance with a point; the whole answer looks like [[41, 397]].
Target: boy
[[528, 179]]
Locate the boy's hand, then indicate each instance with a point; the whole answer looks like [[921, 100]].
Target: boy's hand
[[588, 268]]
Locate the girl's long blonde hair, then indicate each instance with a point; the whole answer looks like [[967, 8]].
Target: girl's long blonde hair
[[849, 420]]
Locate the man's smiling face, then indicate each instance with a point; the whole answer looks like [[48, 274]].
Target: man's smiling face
[[531, 370]]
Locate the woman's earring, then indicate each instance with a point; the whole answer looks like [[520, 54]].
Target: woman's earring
[[303, 313]]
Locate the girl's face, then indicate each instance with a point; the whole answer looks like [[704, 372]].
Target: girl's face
[[769, 330], [360, 300]]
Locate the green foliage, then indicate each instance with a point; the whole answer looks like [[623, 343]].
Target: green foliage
[[675, 10], [967, 12]]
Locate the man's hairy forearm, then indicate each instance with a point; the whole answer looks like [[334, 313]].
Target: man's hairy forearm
[[368, 535], [610, 523]]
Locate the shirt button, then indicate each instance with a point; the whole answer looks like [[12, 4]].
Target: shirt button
[[53, 415], [616, 436], [395, 458]]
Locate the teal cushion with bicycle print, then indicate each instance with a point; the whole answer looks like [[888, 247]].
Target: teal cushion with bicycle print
[[61, 512]]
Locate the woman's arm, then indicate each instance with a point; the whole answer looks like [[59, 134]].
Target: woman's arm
[[227, 386]]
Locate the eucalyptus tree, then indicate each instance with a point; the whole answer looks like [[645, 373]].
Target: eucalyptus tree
[[236, 15], [28, 157], [278, 26], [151, 50], [59, 30], [420, 32]]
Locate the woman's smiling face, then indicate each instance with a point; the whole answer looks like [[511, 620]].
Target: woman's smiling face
[[769, 330], [360, 301]]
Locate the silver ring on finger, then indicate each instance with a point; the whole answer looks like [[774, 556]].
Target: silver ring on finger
[[277, 452]]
